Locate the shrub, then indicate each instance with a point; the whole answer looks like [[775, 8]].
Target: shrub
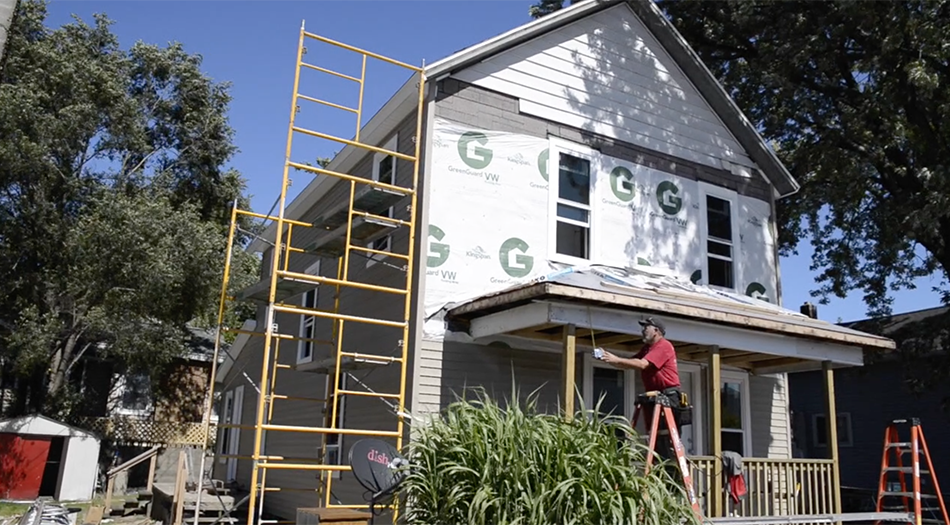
[[479, 463]]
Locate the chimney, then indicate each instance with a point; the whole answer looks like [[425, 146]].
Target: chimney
[[810, 310]]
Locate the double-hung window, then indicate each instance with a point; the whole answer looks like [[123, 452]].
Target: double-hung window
[[720, 236], [572, 236], [308, 322], [384, 170]]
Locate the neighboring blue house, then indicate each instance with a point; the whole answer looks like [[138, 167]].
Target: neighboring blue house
[[869, 397]]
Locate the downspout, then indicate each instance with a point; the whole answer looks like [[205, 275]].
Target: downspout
[[7, 8]]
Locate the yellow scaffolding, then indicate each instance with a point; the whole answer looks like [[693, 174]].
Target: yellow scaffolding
[[363, 221]]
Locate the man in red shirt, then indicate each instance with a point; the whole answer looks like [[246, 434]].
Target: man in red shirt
[[656, 362]]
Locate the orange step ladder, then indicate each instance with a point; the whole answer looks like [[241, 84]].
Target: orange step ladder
[[916, 446], [665, 413]]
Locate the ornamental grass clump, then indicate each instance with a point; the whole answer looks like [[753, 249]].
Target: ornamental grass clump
[[480, 463]]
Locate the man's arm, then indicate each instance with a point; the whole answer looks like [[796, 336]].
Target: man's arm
[[620, 362]]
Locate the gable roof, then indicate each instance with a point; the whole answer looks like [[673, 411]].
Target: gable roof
[[403, 102]]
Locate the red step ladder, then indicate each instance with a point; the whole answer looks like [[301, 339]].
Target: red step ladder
[[916, 446]]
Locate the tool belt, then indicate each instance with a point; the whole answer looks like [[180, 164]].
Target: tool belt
[[682, 410]]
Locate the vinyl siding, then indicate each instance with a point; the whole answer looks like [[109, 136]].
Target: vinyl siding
[[609, 75], [768, 403]]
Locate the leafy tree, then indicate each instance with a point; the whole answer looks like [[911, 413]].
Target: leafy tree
[[854, 98], [115, 202]]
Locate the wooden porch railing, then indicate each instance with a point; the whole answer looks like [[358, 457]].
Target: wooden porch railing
[[775, 487]]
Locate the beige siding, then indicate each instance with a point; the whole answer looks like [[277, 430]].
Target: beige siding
[[448, 369], [768, 401]]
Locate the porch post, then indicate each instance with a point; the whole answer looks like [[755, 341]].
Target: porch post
[[715, 432], [831, 424], [567, 370]]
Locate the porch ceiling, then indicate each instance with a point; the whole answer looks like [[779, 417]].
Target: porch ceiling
[[605, 308]]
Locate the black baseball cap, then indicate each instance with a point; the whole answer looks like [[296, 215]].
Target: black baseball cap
[[649, 321]]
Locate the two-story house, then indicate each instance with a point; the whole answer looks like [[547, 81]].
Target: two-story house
[[575, 175]]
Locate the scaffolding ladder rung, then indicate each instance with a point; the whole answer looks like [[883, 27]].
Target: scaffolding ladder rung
[[400, 256], [327, 103], [319, 279], [304, 466], [327, 430], [363, 393], [381, 219], [363, 52], [392, 188], [340, 317], [331, 72], [355, 144], [272, 218]]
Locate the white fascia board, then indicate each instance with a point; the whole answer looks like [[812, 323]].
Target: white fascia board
[[707, 334], [507, 321]]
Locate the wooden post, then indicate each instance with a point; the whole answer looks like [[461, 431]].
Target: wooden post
[[110, 487], [831, 424], [567, 370], [716, 502], [178, 501], [151, 473]]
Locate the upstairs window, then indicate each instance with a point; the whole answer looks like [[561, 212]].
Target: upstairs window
[[384, 170], [720, 233], [573, 207], [308, 322]]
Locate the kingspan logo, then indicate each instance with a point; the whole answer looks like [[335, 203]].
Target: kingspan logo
[[474, 152], [478, 253], [757, 291], [668, 197], [514, 259], [438, 254], [518, 159]]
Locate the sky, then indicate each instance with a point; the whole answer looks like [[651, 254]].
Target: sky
[[252, 45]]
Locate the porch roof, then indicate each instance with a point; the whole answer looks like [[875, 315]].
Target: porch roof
[[606, 303]]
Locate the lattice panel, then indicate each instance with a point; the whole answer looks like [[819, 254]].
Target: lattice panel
[[136, 431]]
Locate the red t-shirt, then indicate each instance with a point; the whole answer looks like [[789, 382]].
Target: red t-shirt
[[663, 374]]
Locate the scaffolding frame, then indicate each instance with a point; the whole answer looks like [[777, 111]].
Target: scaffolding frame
[[297, 283]]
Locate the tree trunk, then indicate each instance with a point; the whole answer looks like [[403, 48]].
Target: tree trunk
[[59, 363]]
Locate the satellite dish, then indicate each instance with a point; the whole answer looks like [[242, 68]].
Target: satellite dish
[[375, 465]]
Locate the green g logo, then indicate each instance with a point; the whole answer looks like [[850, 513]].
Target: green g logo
[[438, 252], [471, 151], [621, 183], [543, 163], [757, 291], [514, 259], [666, 196]]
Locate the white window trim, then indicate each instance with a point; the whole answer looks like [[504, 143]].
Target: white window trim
[[733, 198], [735, 376], [556, 146], [629, 384], [695, 398], [841, 442], [341, 417], [390, 145], [234, 442], [314, 269]]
